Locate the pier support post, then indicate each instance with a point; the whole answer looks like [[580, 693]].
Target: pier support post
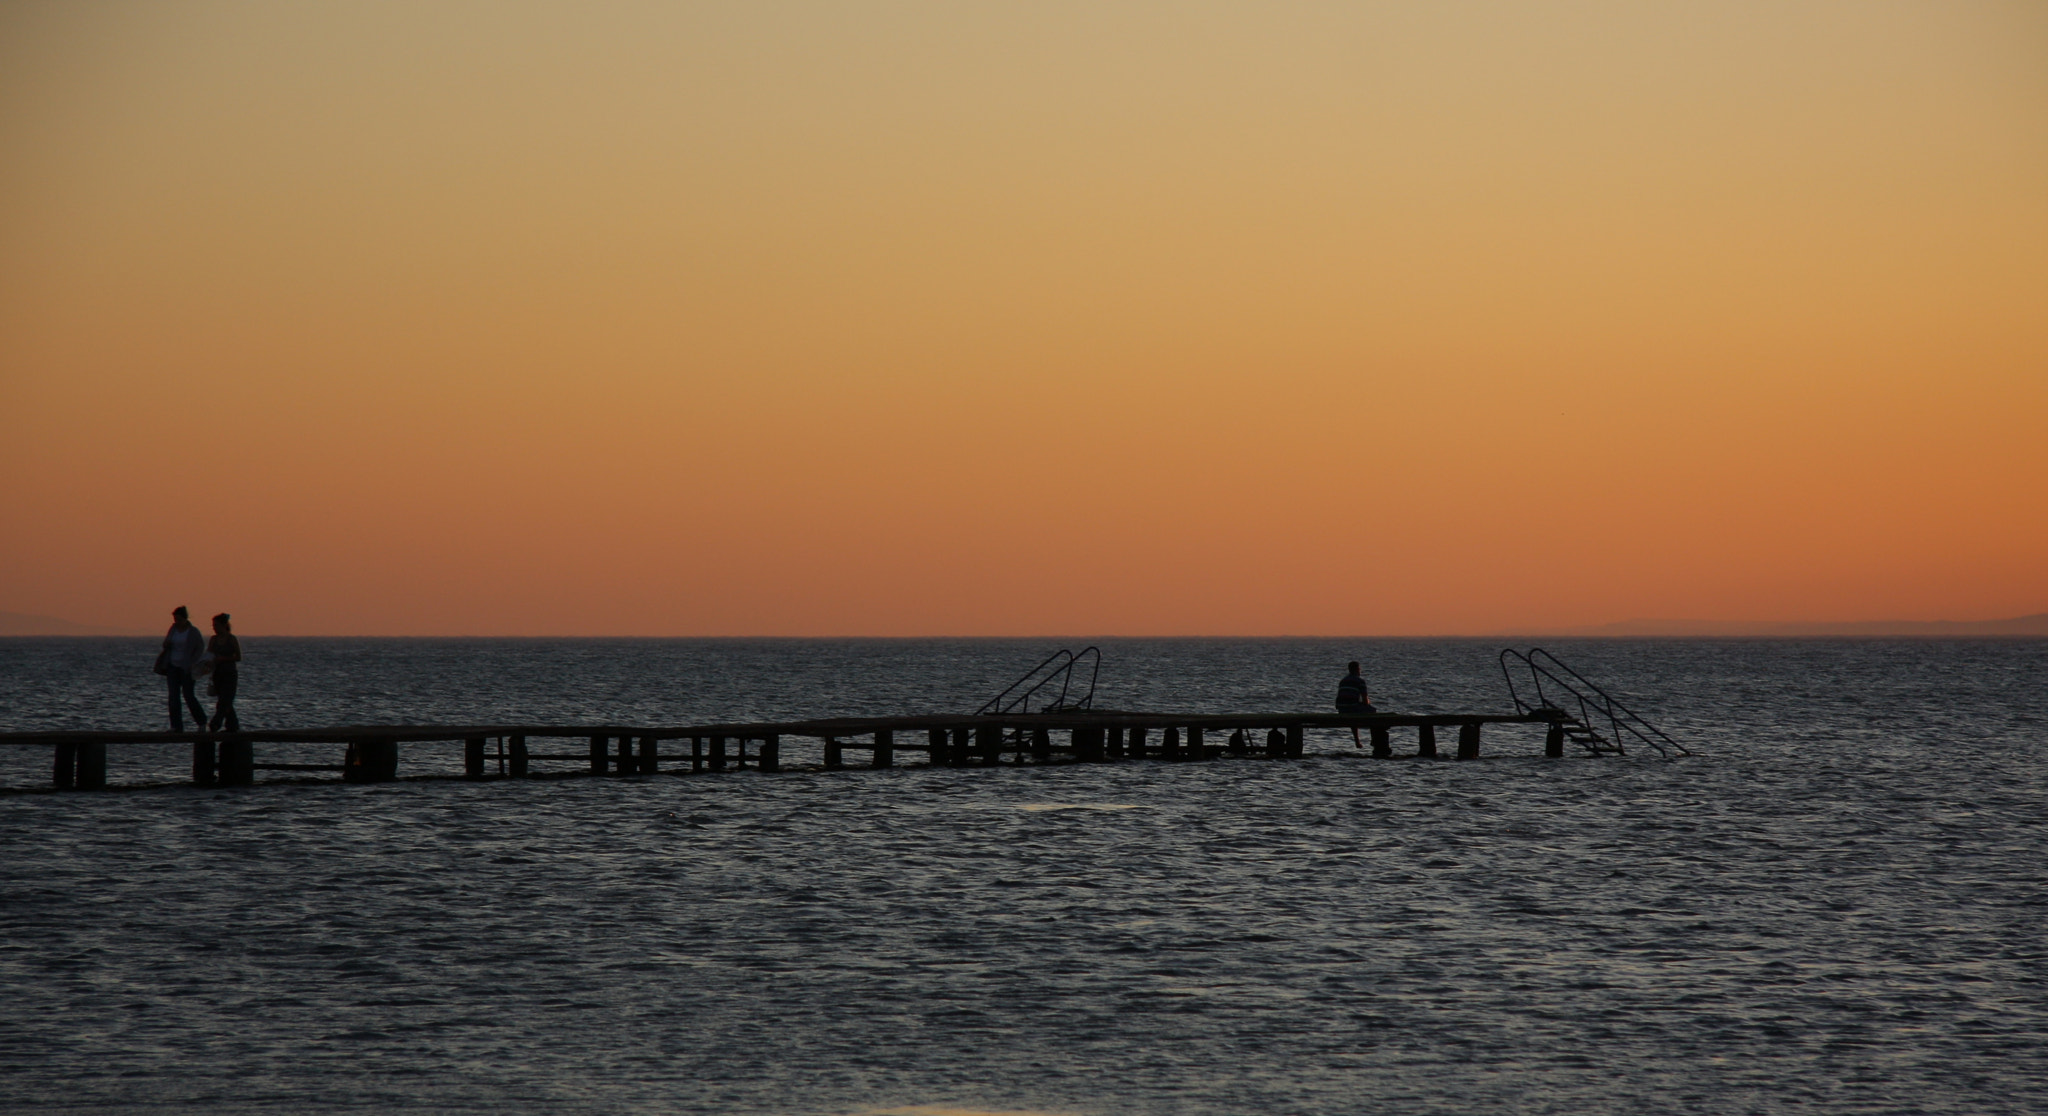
[[519, 759], [623, 762], [203, 771], [1295, 743], [990, 740], [650, 755], [1169, 744], [1113, 742], [473, 757], [1196, 750], [1381, 746], [237, 767], [1134, 745], [1425, 740], [1088, 744], [832, 754], [718, 753], [1553, 741], [1468, 740], [92, 766], [885, 748], [935, 740], [771, 754], [961, 754], [599, 746], [696, 753], [1041, 746], [64, 766]]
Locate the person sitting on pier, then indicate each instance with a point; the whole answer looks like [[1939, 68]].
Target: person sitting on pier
[[183, 648], [1352, 698]]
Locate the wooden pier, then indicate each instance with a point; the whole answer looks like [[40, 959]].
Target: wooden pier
[[371, 753]]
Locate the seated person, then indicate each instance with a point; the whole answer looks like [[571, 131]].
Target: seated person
[[1353, 698]]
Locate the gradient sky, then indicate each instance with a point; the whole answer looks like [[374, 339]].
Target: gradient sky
[[1003, 319]]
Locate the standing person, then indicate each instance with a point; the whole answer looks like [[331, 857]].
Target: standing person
[[1353, 698], [183, 648], [226, 652]]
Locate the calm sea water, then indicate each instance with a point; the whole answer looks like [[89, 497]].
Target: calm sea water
[[1838, 907]]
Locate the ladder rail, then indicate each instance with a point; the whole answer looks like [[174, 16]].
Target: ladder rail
[[1594, 702], [1063, 672]]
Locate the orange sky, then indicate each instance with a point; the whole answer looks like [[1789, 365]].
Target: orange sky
[[1092, 318]]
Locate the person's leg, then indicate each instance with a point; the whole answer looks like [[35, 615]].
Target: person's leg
[[224, 706], [192, 700], [177, 711]]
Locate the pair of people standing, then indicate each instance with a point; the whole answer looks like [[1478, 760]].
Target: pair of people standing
[[187, 656]]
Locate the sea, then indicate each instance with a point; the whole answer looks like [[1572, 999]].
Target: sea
[[1837, 904]]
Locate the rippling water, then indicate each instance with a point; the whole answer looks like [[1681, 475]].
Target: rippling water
[[1838, 907]]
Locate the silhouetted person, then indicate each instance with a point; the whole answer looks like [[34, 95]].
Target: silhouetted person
[[226, 652], [183, 648], [1352, 698]]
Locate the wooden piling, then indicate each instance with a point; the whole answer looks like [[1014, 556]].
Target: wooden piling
[[473, 757], [624, 762], [962, 755], [885, 748], [1169, 744], [600, 747], [1425, 740], [1195, 749], [1295, 741], [1468, 740], [64, 767], [1553, 741], [650, 755], [771, 754], [941, 753], [203, 769], [237, 763], [1113, 742], [1087, 744], [718, 753], [1134, 745], [1382, 747], [832, 754], [990, 740], [1041, 746], [91, 766], [696, 754], [519, 757]]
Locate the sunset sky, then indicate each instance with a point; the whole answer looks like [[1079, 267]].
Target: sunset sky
[[906, 318]]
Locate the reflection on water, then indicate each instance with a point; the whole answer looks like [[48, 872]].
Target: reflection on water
[[1081, 806]]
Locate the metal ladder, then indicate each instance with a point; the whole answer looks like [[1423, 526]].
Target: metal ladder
[[1591, 717], [1057, 667]]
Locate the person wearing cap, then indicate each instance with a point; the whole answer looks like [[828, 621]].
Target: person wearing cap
[[183, 648]]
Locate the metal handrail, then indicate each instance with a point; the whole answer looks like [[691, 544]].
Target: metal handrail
[[1064, 672], [1621, 720]]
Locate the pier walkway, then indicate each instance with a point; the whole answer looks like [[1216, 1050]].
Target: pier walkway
[[371, 753]]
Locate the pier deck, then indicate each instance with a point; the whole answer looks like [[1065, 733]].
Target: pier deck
[[370, 753]]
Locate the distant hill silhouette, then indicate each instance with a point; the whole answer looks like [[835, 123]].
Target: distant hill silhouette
[[2035, 625], [28, 624]]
